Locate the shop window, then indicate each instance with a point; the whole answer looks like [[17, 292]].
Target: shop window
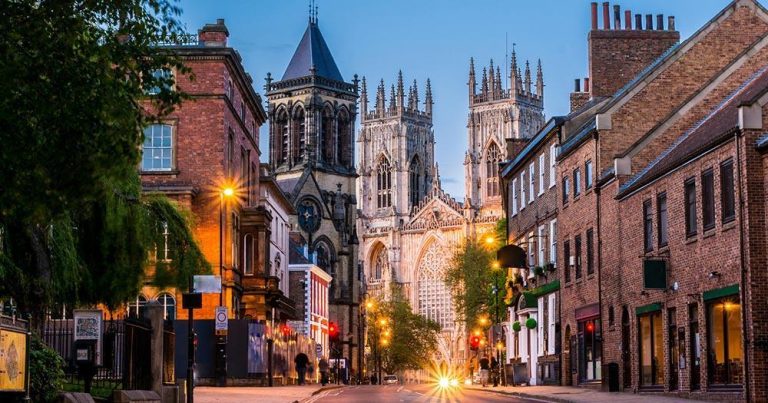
[[651, 352], [589, 350], [695, 346], [726, 353]]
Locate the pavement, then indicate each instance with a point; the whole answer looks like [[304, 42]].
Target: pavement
[[245, 394], [578, 395], [411, 393]]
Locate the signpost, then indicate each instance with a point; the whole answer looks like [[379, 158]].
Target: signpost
[[222, 321]]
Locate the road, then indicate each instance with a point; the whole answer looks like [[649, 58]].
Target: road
[[410, 393]]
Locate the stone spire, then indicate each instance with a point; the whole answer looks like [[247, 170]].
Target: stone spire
[[392, 105], [400, 94], [415, 96], [428, 99], [513, 77], [527, 77], [364, 99], [380, 100], [472, 83], [436, 186], [491, 82], [539, 81], [498, 82], [410, 98], [484, 87]]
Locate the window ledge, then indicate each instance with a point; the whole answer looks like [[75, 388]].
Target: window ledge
[[729, 225], [664, 248], [171, 172], [690, 239], [590, 276], [708, 233]]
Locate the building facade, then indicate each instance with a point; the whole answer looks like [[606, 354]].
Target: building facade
[[312, 113], [410, 227], [309, 288], [207, 144]]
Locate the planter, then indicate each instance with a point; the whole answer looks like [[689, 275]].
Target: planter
[[550, 267], [516, 326]]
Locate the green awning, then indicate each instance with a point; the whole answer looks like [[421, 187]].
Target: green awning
[[656, 306], [546, 289], [530, 300], [721, 292]]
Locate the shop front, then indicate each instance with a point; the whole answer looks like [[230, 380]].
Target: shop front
[[587, 344]]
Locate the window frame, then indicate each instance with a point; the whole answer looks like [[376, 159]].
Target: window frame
[[542, 174], [708, 199], [576, 182], [552, 165], [171, 148], [689, 203], [577, 252], [566, 189], [727, 195], [532, 182], [662, 219], [522, 190], [588, 180], [647, 225], [590, 238], [567, 260], [553, 241], [514, 197]]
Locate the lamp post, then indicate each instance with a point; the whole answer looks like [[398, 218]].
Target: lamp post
[[221, 339]]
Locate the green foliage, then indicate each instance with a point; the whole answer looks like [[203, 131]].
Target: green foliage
[[530, 323], [75, 226], [46, 372], [413, 337], [516, 326]]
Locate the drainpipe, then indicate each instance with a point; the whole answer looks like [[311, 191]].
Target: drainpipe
[[743, 290], [599, 254]]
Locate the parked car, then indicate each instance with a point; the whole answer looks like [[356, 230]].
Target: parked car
[[390, 379]]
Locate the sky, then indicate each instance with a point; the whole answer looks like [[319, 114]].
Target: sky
[[430, 39]]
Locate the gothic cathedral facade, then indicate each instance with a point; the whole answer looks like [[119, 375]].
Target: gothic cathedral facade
[[410, 227], [312, 112]]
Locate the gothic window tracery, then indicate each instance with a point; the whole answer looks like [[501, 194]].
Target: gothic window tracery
[[323, 257], [434, 295], [415, 181], [299, 136], [492, 159], [383, 184], [380, 263], [327, 136], [282, 127], [343, 150]]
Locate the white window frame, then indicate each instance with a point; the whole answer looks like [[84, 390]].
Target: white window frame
[[551, 311], [588, 182], [532, 179], [553, 242], [531, 251], [542, 173], [552, 165], [540, 328], [522, 190], [541, 242], [576, 182], [514, 196], [170, 148]]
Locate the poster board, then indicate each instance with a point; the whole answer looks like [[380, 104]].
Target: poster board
[[89, 325], [13, 360]]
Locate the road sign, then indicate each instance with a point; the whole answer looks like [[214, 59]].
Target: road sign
[[319, 349], [207, 284], [222, 321]]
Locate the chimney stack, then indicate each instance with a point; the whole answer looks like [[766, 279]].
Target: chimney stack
[[577, 85], [616, 16], [606, 16], [586, 84], [649, 22], [660, 22], [628, 19], [671, 23], [594, 15], [638, 21]]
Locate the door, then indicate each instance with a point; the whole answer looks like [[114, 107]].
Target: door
[[626, 358]]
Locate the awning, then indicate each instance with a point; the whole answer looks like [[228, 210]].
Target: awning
[[656, 306], [732, 289]]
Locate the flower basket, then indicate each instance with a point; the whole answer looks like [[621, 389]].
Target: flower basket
[[539, 271], [530, 323], [516, 326], [550, 267]]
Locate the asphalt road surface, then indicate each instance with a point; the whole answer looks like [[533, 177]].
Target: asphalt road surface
[[411, 393]]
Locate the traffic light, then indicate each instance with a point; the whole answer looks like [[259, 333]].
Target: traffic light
[[333, 331], [474, 343]]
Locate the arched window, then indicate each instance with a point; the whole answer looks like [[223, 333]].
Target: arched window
[[384, 184], [344, 147], [434, 295], [415, 181], [136, 307], [327, 148], [380, 263], [299, 136], [323, 257], [248, 268], [169, 305], [281, 132], [492, 160]]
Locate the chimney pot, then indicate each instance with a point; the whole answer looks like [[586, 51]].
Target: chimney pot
[[577, 85], [594, 15], [638, 21], [586, 84], [616, 16], [606, 15], [627, 19], [671, 23], [649, 21], [219, 21], [660, 22]]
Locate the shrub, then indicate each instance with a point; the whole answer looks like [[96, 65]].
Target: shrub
[[516, 326], [45, 371], [530, 323]]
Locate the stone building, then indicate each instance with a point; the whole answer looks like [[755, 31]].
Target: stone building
[[410, 227], [677, 211], [312, 113], [209, 143]]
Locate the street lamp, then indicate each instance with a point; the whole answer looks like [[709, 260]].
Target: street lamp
[[221, 339]]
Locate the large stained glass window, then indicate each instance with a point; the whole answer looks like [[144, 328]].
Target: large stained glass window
[[434, 295]]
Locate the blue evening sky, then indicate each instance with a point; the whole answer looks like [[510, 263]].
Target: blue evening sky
[[431, 39]]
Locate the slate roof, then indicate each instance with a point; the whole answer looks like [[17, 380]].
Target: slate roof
[[716, 126], [312, 51]]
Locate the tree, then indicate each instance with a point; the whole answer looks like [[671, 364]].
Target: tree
[[472, 276], [412, 340], [74, 225]]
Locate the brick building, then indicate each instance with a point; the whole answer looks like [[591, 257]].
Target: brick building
[[676, 213], [207, 144]]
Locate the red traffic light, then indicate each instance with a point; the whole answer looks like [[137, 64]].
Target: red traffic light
[[333, 331], [474, 342]]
